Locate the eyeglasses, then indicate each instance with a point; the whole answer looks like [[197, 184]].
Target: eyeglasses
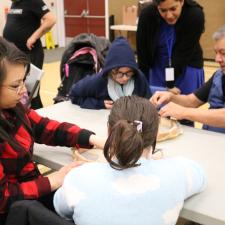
[[17, 87], [119, 74]]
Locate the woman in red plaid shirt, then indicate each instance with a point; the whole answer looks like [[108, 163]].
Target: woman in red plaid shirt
[[19, 129]]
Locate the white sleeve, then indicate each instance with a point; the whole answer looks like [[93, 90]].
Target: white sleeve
[[61, 204], [70, 194], [195, 177]]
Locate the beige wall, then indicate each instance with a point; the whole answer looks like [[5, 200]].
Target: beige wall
[[3, 5], [115, 8], [215, 17]]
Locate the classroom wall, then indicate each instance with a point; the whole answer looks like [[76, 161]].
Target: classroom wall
[[3, 5], [115, 8], [215, 18]]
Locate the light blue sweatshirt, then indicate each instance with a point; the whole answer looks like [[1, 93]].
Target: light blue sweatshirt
[[152, 193]]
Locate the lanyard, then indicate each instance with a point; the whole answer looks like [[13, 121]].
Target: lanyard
[[169, 43]]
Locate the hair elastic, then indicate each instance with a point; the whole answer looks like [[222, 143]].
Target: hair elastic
[[138, 123]]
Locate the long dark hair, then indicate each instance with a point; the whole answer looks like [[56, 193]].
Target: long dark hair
[[133, 126], [11, 54]]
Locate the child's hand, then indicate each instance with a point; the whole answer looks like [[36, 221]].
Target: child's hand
[[108, 104]]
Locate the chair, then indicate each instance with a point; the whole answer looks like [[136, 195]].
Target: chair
[[32, 82]]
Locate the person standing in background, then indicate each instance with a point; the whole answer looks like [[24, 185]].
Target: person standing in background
[[168, 48], [27, 21], [212, 92]]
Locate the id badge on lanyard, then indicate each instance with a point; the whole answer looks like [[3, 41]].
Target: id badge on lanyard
[[169, 71]]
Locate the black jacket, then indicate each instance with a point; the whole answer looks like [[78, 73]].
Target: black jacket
[[186, 50]]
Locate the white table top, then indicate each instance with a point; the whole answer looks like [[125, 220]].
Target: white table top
[[207, 148], [124, 27]]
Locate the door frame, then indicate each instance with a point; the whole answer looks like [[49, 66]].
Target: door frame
[[61, 22], [107, 19]]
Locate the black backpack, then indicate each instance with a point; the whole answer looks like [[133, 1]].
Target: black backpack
[[84, 56]]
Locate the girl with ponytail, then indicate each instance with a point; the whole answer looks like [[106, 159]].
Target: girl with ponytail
[[132, 188], [133, 125]]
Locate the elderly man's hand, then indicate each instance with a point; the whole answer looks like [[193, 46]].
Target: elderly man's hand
[[161, 97], [173, 110], [175, 90]]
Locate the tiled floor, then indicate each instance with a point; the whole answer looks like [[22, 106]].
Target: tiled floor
[[50, 82]]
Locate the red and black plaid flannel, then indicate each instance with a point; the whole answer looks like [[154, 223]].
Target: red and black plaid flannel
[[19, 176]]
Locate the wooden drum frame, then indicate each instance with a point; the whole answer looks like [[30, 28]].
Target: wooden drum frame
[[168, 129]]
